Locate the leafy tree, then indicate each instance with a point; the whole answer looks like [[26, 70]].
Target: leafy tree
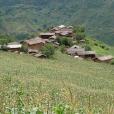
[[48, 50], [64, 41], [87, 48], [4, 39], [79, 33]]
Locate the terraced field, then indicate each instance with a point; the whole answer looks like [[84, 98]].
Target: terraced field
[[61, 80]]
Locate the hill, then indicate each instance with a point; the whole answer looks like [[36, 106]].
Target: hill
[[63, 79], [22, 17], [99, 47]]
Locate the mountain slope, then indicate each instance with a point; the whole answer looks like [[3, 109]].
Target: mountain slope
[[29, 16]]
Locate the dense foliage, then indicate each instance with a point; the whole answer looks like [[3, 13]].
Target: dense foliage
[[23, 16], [4, 39], [64, 41], [48, 50]]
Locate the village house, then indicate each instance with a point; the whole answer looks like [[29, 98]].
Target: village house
[[34, 45], [14, 46], [46, 35], [63, 31], [74, 50], [105, 59], [87, 54], [78, 51]]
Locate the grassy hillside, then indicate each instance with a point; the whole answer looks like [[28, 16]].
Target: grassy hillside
[[63, 79], [99, 47], [21, 17]]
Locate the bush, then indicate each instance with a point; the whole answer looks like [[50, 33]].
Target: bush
[[48, 50], [64, 41], [102, 46], [80, 36], [79, 29], [88, 48], [112, 63], [5, 39], [4, 48], [24, 48], [96, 44], [62, 49]]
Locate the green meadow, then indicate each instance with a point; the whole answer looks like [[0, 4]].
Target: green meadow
[[28, 82]]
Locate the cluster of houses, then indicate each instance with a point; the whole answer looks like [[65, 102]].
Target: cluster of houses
[[34, 45], [79, 52]]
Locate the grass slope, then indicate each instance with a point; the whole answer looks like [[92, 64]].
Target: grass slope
[[65, 79], [99, 47]]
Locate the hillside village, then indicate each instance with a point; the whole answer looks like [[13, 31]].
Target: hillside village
[[33, 46]]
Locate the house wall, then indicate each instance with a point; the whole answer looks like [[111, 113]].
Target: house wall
[[14, 49], [90, 56], [34, 46]]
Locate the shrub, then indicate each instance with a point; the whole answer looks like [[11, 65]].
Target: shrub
[[96, 44], [106, 48], [24, 48], [64, 41], [62, 49], [79, 29], [102, 46], [5, 39], [112, 63], [80, 36], [4, 48], [48, 50], [59, 109], [88, 48]]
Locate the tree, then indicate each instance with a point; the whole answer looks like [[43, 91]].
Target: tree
[[79, 33], [48, 50], [64, 41], [5, 39], [87, 48]]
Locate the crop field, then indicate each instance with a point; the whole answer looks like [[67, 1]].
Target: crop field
[[78, 86]]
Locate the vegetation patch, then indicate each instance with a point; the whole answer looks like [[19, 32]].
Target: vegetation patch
[[60, 85]]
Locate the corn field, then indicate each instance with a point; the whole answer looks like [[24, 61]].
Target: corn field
[[57, 86]]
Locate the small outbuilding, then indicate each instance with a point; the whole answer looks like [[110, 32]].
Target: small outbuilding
[[78, 51], [14, 46], [105, 59], [74, 50], [87, 54]]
